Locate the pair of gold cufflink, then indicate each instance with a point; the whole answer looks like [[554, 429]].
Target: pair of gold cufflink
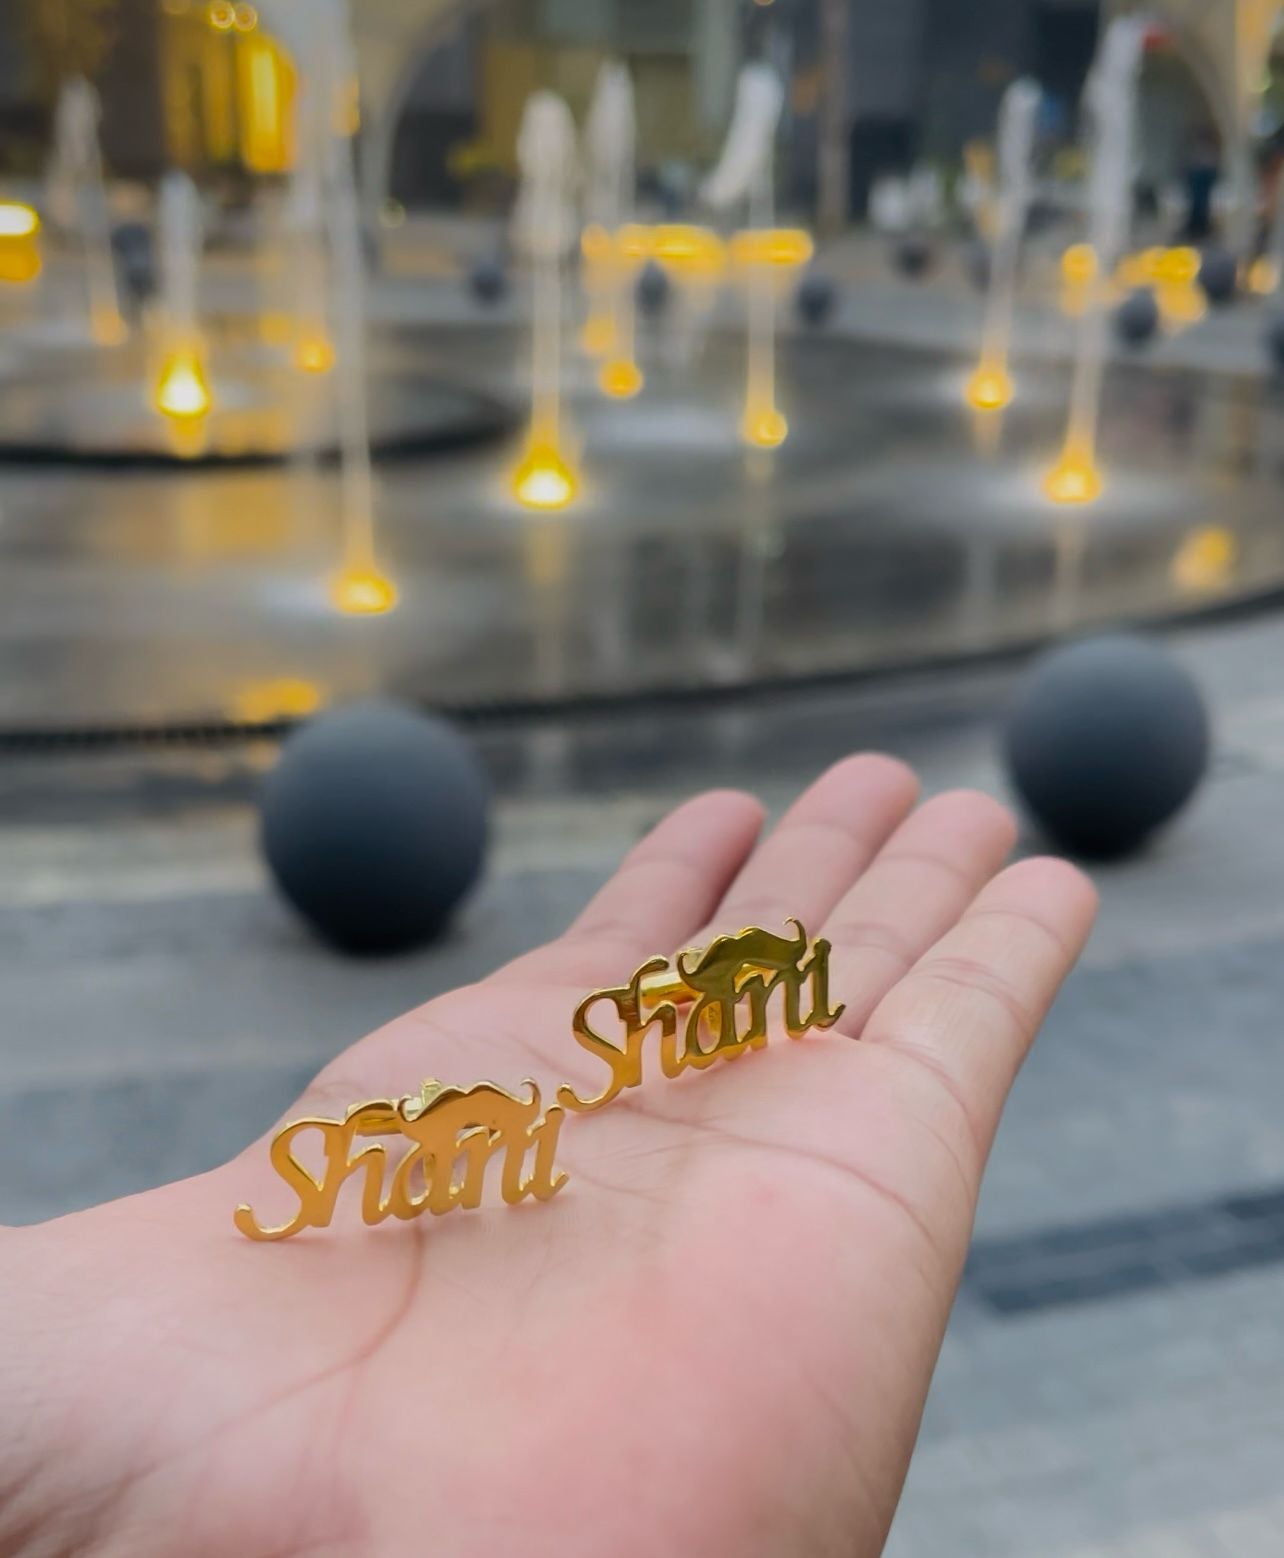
[[706, 1004]]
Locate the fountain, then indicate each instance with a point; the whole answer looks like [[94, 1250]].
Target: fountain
[[181, 391], [331, 314], [990, 387], [1112, 104], [545, 477], [610, 144], [745, 171], [78, 200], [303, 218]]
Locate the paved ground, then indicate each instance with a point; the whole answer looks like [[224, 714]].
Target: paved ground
[[1113, 1383]]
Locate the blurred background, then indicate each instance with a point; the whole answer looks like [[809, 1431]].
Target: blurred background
[[437, 437]]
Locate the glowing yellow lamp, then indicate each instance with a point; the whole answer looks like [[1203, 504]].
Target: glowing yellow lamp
[[779, 246], [989, 388], [543, 478], [362, 591], [181, 389], [1079, 264], [1182, 305], [314, 352], [764, 427], [1074, 478], [692, 251], [1205, 559], [1178, 267], [633, 242], [1263, 276], [222, 15], [19, 242], [621, 378]]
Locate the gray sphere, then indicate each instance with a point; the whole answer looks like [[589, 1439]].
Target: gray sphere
[[373, 824], [488, 280], [1137, 318], [652, 288], [1107, 740], [1275, 340], [816, 297], [913, 256], [1219, 276]]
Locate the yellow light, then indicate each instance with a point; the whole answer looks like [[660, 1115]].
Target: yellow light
[[989, 388], [314, 352], [1079, 264], [596, 245], [764, 428], [1182, 305], [362, 591], [1205, 559], [598, 335], [289, 698], [17, 220], [543, 479], [634, 242], [693, 250], [1263, 276], [1178, 267], [245, 18], [621, 378], [1073, 479], [181, 391], [19, 262], [782, 246], [222, 15]]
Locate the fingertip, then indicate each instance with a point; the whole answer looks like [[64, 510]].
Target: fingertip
[[1054, 891], [975, 809], [865, 769], [728, 805]]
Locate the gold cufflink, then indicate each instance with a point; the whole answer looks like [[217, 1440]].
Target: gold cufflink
[[443, 1125], [707, 1004]]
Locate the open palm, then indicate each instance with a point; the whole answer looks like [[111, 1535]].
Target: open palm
[[718, 1337]]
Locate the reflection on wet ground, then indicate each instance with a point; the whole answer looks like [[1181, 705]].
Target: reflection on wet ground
[[890, 529]]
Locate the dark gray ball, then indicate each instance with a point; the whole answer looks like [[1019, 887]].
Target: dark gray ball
[[652, 288], [1275, 340], [1107, 740], [1219, 276], [373, 824], [1137, 318], [488, 280], [816, 297], [913, 256]]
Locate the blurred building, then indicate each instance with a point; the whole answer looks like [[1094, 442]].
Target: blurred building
[[204, 85]]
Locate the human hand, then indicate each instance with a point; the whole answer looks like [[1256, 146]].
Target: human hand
[[718, 1339]]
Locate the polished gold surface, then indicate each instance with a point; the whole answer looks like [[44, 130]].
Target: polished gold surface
[[446, 1127], [707, 1005]]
